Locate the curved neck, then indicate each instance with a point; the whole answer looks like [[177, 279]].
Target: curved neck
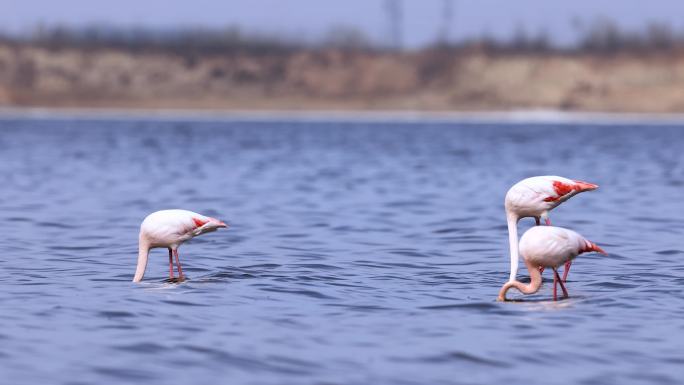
[[531, 288], [143, 253], [513, 242]]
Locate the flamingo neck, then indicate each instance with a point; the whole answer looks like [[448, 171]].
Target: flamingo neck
[[513, 242], [143, 253], [531, 288]]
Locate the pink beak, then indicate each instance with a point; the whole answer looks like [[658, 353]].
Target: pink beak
[[596, 248], [222, 224], [584, 186]]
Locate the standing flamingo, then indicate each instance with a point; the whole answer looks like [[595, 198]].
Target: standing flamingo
[[548, 246], [169, 229], [534, 197]]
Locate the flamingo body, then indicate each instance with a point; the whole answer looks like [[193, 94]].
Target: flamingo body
[[535, 197], [548, 247], [551, 246], [169, 229]]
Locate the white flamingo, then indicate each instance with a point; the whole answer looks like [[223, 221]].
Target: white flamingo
[[548, 246], [534, 197], [169, 229]]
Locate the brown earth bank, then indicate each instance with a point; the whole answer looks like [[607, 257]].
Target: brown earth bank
[[430, 80]]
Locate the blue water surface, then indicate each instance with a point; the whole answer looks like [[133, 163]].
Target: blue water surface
[[358, 253]]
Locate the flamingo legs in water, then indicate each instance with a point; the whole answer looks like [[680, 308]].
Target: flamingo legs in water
[[566, 271], [548, 221], [536, 219], [557, 280], [170, 265], [180, 269]]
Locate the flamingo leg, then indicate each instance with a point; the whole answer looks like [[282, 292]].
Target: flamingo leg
[[556, 277], [178, 264], [555, 283], [566, 271], [548, 223], [170, 265]]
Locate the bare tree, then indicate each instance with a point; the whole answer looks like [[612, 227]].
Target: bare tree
[[395, 21], [444, 35]]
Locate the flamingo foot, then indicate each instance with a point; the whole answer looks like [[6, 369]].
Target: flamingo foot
[[566, 271], [556, 277]]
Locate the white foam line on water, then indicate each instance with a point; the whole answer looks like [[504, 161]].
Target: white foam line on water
[[534, 116], [584, 296]]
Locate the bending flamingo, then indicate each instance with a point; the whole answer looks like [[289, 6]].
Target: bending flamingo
[[548, 246], [169, 229], [535, 197]]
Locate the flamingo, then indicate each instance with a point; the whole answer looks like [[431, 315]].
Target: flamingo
[[169, 229], [535, 197], [548, 246]]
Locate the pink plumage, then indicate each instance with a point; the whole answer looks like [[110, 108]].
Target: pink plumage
[[548, 247], [535, 197], [169, 229]]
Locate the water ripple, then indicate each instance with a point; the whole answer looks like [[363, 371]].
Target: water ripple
[[358, 253]]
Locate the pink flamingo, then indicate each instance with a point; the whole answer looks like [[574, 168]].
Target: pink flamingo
[[169, 229], [534, 197], [548, 246]]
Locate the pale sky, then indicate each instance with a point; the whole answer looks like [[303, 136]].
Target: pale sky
[[312, 18]]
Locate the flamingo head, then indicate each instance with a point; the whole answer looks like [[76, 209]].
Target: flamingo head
[[207, 225], [591, 246]]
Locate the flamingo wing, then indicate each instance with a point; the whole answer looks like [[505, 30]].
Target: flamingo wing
[[560, 189]]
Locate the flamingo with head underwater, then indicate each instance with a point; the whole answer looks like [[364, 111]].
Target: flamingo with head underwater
[[548, 246], [535, 197], [169, 229]]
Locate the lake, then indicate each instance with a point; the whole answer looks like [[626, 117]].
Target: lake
[[359, 252]]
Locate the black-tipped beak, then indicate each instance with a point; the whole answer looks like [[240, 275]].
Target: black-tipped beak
[[585, 186]]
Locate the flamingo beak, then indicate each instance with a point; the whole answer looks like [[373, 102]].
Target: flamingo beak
[[222, 224], [584, 186], [596, 248]]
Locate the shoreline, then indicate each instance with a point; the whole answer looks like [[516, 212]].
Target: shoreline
[[521, 116], [372, 85]]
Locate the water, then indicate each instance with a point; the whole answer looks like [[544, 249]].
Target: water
[[359, 253]]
